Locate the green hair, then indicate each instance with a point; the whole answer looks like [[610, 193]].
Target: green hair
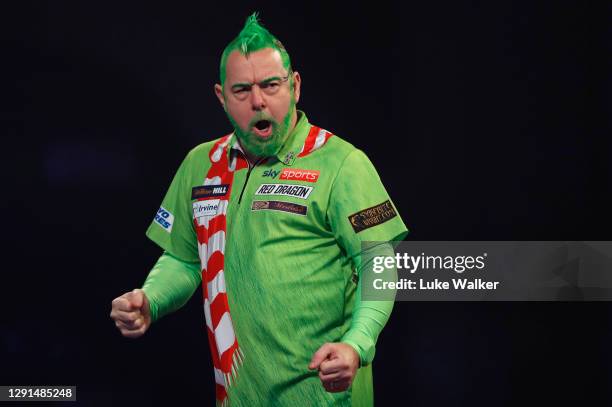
[[253, 37]]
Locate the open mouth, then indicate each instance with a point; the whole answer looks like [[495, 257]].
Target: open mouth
[[263, 128]]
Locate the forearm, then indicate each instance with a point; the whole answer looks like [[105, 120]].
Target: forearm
[[170, 284], [369, 317]]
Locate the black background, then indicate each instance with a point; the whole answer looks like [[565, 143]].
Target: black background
[[486, 121]]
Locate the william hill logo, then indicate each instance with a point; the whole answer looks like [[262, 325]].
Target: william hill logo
[[209, 191]]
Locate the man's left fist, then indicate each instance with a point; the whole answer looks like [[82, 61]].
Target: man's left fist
[[337, 363]]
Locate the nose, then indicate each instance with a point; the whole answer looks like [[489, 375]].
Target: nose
[[257, 100]]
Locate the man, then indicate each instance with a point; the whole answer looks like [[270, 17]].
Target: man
[[270, 219]]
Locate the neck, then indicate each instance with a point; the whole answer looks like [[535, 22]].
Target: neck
[[250, 157], [293, 120]]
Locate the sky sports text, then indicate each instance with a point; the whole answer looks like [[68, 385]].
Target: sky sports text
[[293, 174]]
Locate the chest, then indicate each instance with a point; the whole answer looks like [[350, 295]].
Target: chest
[[275, 198]]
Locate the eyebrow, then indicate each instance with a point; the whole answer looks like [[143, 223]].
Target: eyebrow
[[241, 85], [272, 78], [249, 84]]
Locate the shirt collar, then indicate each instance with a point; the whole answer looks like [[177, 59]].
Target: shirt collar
[[293, 145]]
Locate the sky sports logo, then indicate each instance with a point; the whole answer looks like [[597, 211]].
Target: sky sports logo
[[293, 174], [271, 173]]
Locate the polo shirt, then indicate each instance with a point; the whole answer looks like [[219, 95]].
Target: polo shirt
[[294, 227]]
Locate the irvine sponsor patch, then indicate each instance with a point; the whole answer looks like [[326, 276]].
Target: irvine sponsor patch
[[209, 191], [373, 216], [279, 206], [209, 207], [296, 191], [164, 219], [296, 174]]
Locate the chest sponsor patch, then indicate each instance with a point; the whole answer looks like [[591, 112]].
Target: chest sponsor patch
[[296, 191], [272, 173], [164, 218], [372, 216], [209, 207], [279, 206], [209, 191], [296, 174]]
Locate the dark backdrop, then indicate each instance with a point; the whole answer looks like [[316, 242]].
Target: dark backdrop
[[487, 120]]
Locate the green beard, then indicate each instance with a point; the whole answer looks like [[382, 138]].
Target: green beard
[[269, 146]]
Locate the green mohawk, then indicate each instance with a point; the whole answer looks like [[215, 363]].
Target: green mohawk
[[253, 37]]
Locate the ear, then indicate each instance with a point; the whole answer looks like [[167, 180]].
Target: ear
[[297, 82], [219, 93]]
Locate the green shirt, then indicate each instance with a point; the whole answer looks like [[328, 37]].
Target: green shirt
[[294, 229]]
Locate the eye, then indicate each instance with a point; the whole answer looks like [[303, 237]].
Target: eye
[[241, 90], [270, 87]]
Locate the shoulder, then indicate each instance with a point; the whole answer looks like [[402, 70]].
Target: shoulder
[[343, 152], [197, 161], [340, 146], [202, 151], [333, 147], [199, 156]]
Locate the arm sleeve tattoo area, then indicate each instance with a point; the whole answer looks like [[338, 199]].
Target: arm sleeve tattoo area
[[170, 284], [369, 317]]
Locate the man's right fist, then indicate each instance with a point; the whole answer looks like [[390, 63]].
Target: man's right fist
[[131, 313]]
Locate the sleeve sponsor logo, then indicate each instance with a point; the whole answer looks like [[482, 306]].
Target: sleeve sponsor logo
[[373, 216], [279, 206], [209, 207], [296, 191], [164, 219], [295, 174], [209, 191]]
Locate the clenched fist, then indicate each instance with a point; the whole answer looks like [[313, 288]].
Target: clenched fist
[[337, 363], [131, 313]]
